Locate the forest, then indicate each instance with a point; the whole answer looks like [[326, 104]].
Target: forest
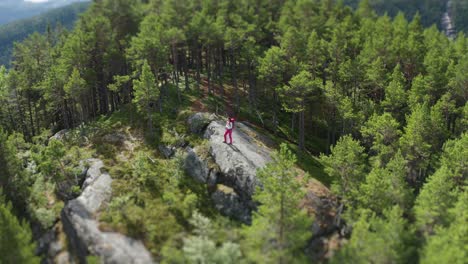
[[372, 105], [57, 19]]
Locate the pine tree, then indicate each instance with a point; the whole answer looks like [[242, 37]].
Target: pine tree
[[279, 228], [295, 95], [449, 244], [381, 133], [377, 239], [16, 244], [346, 165], [415, 144], [146, 93], [386, 187], [395, 95], [440, 192], [273, 68], [75, 90], [201, 248]]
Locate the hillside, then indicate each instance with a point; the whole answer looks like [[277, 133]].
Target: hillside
[[431, 11], [19, 30], [11, 10], [349, 137]]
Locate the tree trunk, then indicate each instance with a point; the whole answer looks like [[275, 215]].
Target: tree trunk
[[301, 129], [31, 121], [187, 87], [275, 118], [251, 87], [199, 58], [281, 220], [234, 80], [208, 69], [150, 119]]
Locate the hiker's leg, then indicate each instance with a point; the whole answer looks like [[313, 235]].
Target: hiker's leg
[[230, 135], [225, 134]]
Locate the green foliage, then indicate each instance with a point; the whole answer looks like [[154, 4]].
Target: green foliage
[[381, 133], [415, 144], [62, 18], [279, 228], [377, 239], [201, 248], [149, 200], [273, 66], [346, 165], [431, 10], [300, 87], [395, 95], [449, 244], [53, 165], [146, 92], [440, 192], [16, 240], [386, 187], [347, 76]]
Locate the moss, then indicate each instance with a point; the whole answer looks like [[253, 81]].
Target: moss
[[225, 189]]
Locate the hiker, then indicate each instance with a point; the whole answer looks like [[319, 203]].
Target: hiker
[[229, 127]]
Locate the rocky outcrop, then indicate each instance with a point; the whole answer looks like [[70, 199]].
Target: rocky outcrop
[[167, 151], [198, 122], [230, 172], [228, 202], [198, 167], [82, 228], [116, 138], [238, 163], [233, 167], [62, 134]]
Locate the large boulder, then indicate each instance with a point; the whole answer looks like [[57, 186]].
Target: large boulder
[[238, 163], [115, 138], [82, 228], [199, 121], [229, 203], [200, 166], [61, 135], [232, 166]]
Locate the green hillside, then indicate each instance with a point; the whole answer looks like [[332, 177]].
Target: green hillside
[[19, 30], [431, 11], [350, 136]]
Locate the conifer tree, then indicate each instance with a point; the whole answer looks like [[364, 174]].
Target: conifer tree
[[16, 244], [377, 239], [381, 133], [146, 93], [279, 228], [347, 167], [386, 187], [395, 95], [295, 95], [273, 68], [449, 244]]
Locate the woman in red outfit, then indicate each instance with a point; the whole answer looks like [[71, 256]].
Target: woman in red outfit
[[229, 128]]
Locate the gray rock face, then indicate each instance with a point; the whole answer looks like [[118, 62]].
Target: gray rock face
[[195, 166], [238, 163], [82, 228], [116, 138], [198, 122], [229, 203], [232, 166], [167, 151], [60, 135]]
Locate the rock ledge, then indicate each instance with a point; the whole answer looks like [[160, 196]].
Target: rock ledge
[[82, 228]]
